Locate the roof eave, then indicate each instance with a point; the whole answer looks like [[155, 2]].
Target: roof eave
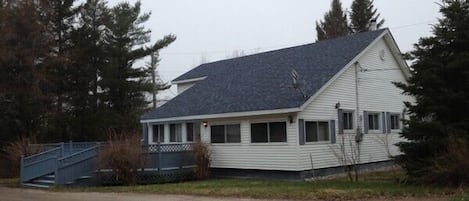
[[188, 80], [222, 115]]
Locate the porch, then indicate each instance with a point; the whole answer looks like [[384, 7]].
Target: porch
[[75, 163]]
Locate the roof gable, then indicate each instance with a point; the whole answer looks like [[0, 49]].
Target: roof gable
[[263, 81]]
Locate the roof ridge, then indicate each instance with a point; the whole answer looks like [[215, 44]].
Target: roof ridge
[[280, 49]]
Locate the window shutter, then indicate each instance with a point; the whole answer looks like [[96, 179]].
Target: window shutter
[[383, 117], [340, 119], [365, 122], [301, 131], [401, 121], [388, 118], [332, 131], [145, 133]]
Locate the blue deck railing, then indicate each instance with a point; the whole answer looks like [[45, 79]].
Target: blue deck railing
[[70, 161], [74, 166]]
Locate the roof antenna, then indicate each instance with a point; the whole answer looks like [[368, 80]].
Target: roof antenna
[[296, 84]]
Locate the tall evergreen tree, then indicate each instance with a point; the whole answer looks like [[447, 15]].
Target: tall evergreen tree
[[89, 57], [334, 24], [124, 84], [61, 17], [24, 53], [362, 14], [438, 129]]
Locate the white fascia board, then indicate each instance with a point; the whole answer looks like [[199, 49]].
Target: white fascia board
[[189, 80], [223, 115], [337, 75], [397, 54]]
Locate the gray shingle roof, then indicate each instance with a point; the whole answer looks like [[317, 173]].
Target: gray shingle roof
[[263, 81]]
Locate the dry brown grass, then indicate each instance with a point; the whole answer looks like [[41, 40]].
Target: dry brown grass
[[201, 156], [18, 148], [123, 155]]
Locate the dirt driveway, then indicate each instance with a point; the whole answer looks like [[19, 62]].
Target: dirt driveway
[[20, 194]]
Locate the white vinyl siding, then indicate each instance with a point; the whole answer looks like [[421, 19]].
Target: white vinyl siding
[[247, 155], [376, 93]]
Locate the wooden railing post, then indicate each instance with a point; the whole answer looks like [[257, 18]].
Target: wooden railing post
[[62, 149], [56, 171], [159, 157], [22, 169]]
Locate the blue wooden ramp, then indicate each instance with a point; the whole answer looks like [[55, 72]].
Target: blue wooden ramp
[[59, 164]]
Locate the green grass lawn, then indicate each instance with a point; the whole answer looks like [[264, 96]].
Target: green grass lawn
[[372, 185]]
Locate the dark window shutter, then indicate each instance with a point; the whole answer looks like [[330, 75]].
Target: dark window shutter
[[402, 120], [388, 118], [332, 131], [365, 122], [340, 119], [383, 124], [301, 131], [145, 133]]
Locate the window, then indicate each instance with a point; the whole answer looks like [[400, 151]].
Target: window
[[395, 121], [193, 131], [317, 131], [373, 121], [269, 132], [230, 133], [348, 120], [175, 133], [158, 133]]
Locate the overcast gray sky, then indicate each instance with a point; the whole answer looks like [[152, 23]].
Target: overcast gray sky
[[213, 29]]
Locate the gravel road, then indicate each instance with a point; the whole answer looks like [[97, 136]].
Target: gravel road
[[21, 194]]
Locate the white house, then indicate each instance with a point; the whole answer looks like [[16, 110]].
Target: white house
[[286, 112]]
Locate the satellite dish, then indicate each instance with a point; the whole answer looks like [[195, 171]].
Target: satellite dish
[[294, 76]]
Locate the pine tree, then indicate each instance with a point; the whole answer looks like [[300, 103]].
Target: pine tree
[[362, 14], [124, 84], [24, 54], [90, 56], [61, 17], [438, 129], [334, 24]]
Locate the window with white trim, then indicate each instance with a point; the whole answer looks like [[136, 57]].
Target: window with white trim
[[230, 133], [175, 133], [268, 132], [347, 120], [395, 121], [158, 133], [373, 121], [192, 131], [316, 131]]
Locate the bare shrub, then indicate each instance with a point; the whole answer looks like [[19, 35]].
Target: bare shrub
[[20, 147], [123, 155], [201, 156]]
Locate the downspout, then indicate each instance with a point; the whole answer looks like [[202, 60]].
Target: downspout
[[359, 134]]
